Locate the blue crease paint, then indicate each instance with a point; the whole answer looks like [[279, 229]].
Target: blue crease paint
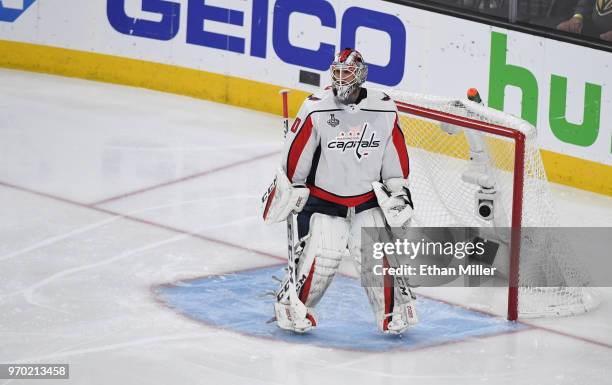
[[345, 320]]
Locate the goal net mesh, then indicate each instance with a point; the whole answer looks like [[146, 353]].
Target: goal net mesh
[[551, 281]]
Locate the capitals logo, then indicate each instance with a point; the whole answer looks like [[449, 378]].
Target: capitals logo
[[355, 140]]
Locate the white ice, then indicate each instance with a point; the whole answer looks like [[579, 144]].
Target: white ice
[[77, 266]]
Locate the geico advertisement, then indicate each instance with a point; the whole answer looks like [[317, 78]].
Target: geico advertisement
[[560, 88]]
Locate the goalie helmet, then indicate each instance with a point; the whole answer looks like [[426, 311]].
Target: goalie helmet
[[348, 72]]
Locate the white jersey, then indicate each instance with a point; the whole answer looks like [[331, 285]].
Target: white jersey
[[338, 150]]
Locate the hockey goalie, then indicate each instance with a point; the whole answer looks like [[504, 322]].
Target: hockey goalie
[[344, 167]]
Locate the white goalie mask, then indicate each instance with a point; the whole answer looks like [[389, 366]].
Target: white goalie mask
[[348, 72]]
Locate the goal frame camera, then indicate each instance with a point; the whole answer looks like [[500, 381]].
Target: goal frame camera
[[485, 204]]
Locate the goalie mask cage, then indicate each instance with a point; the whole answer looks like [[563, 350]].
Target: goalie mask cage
[[460, 151]]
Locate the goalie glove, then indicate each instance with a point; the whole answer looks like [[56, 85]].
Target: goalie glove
[[395, 201], [282, 198]]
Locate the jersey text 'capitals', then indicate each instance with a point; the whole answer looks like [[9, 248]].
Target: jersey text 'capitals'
[[354, 138]]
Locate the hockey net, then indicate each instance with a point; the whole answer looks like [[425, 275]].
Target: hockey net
[[460, 150]]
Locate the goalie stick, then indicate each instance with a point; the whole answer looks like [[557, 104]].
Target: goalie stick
[[300, 322]]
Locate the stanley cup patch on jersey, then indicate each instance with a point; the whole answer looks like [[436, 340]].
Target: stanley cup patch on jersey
[[333, 121], [356, 140]]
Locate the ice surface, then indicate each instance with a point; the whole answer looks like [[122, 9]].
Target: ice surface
[[107, 192]]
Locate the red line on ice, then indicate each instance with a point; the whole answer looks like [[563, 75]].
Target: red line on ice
[[182, 179]]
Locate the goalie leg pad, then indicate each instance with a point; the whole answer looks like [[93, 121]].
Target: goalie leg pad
[[393, 304], [323, 249], [325, 246]]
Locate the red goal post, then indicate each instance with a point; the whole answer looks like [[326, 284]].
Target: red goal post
[[517, 202], [446, 138]]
